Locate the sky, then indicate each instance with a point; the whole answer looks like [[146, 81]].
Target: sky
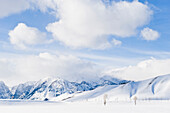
[[83, 39]]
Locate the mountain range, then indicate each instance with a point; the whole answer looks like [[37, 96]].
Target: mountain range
[[62, 90]]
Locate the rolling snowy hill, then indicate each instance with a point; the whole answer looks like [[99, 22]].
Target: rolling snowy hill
[[157, 88]]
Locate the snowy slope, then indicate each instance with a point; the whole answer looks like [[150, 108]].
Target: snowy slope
[[155, 88]]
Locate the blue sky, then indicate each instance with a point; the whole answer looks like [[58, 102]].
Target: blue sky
[[159, 21], [95, 48]]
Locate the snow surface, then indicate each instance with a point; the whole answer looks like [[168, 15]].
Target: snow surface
[[18, 106]]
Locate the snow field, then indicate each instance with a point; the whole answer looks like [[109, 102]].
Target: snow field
[[156, 106]]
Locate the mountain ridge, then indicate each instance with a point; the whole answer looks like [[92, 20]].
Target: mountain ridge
[[53, 87], [58, 89]]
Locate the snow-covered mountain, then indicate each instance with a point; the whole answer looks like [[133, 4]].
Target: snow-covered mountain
[[22, 90], [50, 88], [5, 93], [63, 90]]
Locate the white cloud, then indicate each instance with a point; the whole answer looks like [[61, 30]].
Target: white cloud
[[116, 42], [22, 35], [8, 7], [34, 67], [44, 5], [16, 69], [86, 23], [149, 34], [143, 70]]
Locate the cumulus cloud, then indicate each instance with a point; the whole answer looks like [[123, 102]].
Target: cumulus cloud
[[149, 34], [22, 35], [35, 67], [143, 70], [116, 42], [8, 7], [87, 23]]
